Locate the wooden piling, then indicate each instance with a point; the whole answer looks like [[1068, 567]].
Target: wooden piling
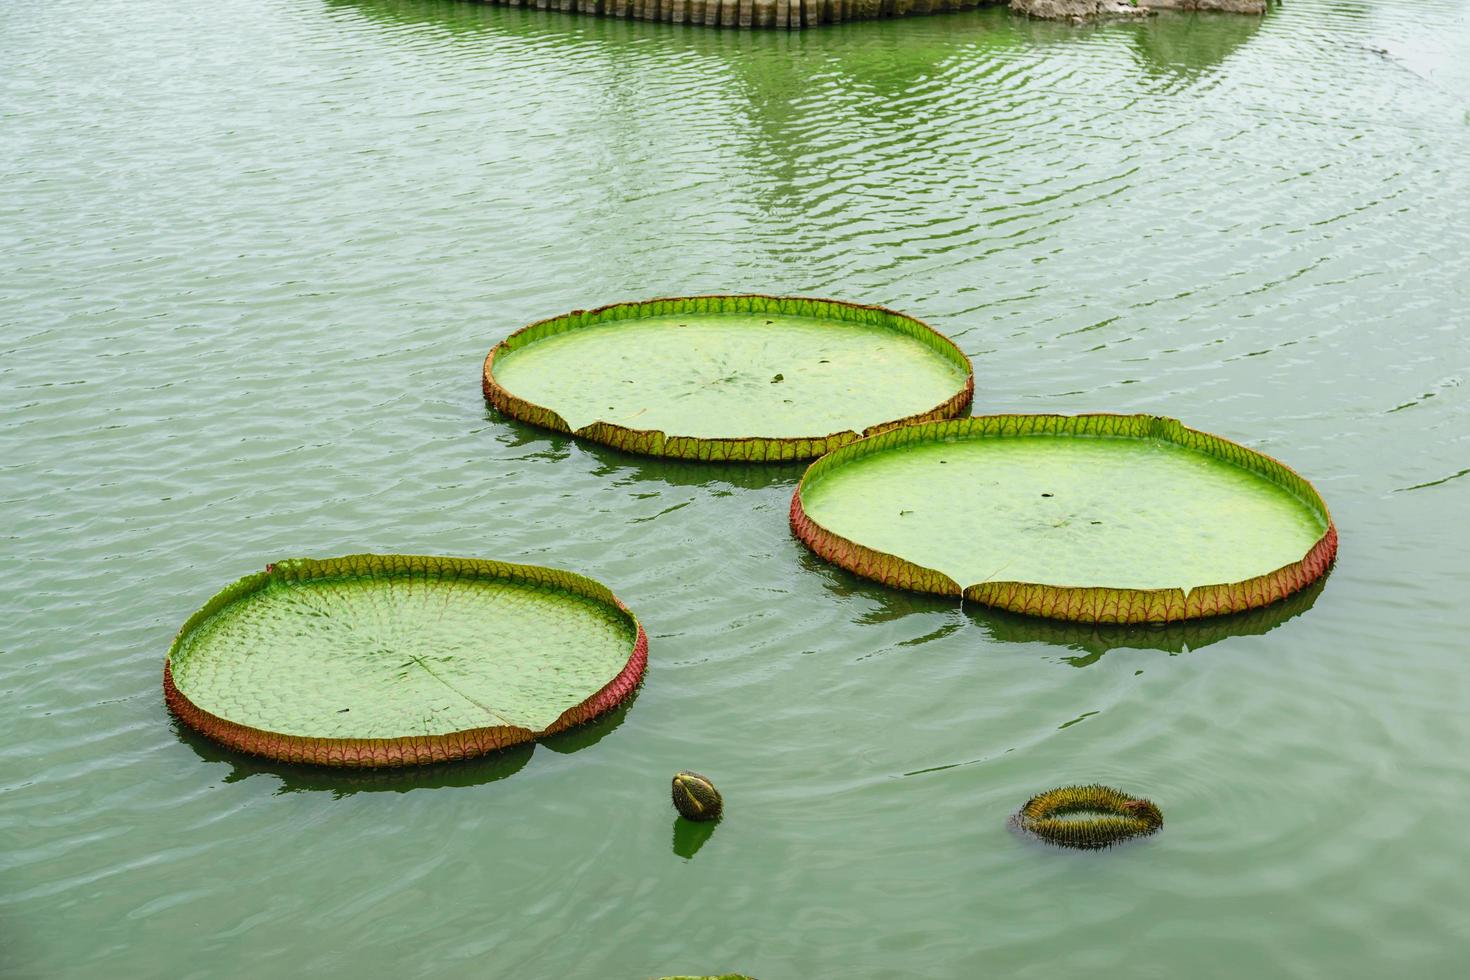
[[788, 15]]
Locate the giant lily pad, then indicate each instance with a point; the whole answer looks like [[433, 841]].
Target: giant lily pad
[[390, 660], [1098, 518], [750, 378]]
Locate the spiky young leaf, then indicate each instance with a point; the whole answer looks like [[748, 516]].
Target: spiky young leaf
[[1109, 817]]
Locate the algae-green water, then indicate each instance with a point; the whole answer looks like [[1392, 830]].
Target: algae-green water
[[253, 254], [732, 375], [1066, 511]]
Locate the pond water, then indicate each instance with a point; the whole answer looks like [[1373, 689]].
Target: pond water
[[252, 255]]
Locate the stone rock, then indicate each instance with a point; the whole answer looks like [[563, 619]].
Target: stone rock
[[1224, 6], [1080, 10], [1077, 10]]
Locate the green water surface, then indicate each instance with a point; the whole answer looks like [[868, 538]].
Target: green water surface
[[253, 254], [731, 375], [391, 657], [1067, 511]]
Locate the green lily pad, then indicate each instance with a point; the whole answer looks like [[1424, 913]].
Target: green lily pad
[[399, 659], [1103, 518], [728, 377]]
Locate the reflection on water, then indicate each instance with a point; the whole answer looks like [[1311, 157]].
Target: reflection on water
[[594, 731], [1190, 44], [515, 434], [896, 56], [887, 604], [879, 62], [1092, 640], [690, 835], [624, 468], [346, 782]]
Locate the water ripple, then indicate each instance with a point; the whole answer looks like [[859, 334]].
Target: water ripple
[[252, 254]]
